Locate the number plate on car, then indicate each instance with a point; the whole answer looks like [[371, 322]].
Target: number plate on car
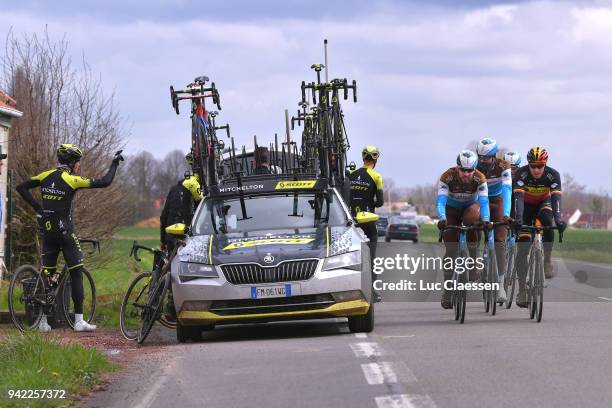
[[263, 292]]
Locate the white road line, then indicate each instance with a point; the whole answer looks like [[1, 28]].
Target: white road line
[[399, 337], [361, 335], [384, 373], [604, 298], [366, 349], [149, 397], [405, 401]]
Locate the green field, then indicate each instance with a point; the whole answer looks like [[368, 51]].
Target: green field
[[579, 244]]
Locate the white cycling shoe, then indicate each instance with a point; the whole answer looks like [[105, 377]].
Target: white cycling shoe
[[43, 326], [501, 294], [83, 326]]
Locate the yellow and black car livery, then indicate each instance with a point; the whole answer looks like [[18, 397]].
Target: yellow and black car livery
[[269, 248]]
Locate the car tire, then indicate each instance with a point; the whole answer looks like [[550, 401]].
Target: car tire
[[185, 333], [416, 241], [362, 324], [387, 239]]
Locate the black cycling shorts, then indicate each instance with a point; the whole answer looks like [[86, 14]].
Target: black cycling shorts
[[65, 242]]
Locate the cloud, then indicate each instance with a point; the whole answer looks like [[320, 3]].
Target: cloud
[[430, 78]]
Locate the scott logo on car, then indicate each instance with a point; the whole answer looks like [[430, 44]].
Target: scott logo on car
[[268, 258], [283, 185]]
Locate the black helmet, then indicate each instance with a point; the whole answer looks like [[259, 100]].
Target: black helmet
[[69, 154]]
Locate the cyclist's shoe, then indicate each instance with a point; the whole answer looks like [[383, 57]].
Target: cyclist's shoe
[[521, 297], [549, 271], [376, 296], [43, 326], [501, 294], [83, 326], [447, 299]]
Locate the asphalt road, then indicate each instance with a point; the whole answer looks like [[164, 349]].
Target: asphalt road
[[418, 356]]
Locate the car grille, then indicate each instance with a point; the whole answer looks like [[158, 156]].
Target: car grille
[[249, 273], [271, 305]]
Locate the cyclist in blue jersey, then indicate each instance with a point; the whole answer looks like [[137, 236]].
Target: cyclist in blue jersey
[[463, 198], [499, 183]]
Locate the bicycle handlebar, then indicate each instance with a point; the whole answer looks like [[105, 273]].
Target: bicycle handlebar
[[538, 228], [136, 247], [95, 244], [466, 228]]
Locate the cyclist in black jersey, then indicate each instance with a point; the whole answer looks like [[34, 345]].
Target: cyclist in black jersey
[[366, 194], [58, 187]]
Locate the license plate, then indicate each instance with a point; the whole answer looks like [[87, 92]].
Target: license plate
[[404, 228], [263, 292]]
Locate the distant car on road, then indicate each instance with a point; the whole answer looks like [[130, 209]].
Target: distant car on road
[[381, 226], [404, 228]]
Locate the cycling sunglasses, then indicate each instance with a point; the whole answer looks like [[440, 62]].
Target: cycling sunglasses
[[466, 170], [536, 166]]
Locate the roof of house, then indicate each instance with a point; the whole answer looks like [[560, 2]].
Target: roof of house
[[7, 105]]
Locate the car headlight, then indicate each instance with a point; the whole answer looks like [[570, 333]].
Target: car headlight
[[190, 271], [349, 260]]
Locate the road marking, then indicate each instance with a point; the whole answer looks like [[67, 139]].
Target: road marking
[[405, 401], [366, 349], [149, 397], [399, 337], [604, 298], [361, 335], [383, 373]]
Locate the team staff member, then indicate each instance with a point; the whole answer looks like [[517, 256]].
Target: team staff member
[[180, 205], [463, 198], [58, 187], [499, 183], [537, 194], [366, 194]]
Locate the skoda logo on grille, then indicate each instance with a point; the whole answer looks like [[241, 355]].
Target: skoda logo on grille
[[268, 258]]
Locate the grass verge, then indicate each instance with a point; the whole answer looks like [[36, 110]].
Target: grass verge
[[33, 361]]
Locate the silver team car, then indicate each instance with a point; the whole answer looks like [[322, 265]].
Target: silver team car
[[268, 249]]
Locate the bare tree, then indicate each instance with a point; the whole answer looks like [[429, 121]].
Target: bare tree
[[61, 104]]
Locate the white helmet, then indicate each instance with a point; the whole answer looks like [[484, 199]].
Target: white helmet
[[467, 160], [513, 158], [486, 147]]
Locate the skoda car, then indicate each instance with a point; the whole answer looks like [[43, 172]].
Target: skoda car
[[267, 249]]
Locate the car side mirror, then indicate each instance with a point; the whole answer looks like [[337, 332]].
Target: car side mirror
[[364, 217], [177, 230]]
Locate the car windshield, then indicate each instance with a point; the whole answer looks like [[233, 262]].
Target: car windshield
[[290, 211], [402, 220]]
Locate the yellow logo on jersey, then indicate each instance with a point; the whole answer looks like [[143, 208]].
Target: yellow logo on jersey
[[269, 241], [288, 185]]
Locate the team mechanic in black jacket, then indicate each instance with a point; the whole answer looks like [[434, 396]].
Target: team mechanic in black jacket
[[58, 187], [180, 205], [366, 194]]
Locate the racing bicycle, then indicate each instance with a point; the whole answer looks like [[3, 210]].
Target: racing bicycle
[[145, 296], [31, 294], [535, 268]]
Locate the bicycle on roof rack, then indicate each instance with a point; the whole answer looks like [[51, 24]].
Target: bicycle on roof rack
[[205, 145], [324, 139]]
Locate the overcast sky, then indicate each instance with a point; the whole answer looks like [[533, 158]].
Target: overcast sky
[[432, 76]]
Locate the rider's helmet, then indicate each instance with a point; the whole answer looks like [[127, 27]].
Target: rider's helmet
[[467, 160], [513, 158], [487, 147], [69, 154], [537, 154], [370, 153]]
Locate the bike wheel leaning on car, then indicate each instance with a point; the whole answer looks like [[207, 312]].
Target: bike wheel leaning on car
[[133, 305], [153, 307]]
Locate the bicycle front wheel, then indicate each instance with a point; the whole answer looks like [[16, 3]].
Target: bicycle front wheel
[[89, 299], [133, 305], [538, 287], [26, 297], [510, 280], [153, 307]]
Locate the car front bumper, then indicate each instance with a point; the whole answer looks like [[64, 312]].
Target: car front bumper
[[337, 293]]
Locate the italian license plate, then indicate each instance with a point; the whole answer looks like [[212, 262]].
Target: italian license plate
[[263, 292]]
